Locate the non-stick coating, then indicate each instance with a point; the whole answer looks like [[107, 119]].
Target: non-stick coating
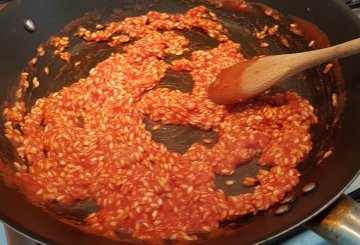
[[333, 176]]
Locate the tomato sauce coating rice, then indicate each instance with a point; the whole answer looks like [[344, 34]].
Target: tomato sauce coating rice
[[88, 141]]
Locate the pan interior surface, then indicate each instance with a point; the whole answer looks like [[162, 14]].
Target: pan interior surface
[[313, 85]]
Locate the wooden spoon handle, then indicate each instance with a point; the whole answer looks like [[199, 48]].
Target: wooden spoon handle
[[316, 57]]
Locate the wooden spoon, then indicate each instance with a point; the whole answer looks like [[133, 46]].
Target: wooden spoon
[[247, 79]]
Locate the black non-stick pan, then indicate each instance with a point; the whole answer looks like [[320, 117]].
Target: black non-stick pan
[[338, 128]]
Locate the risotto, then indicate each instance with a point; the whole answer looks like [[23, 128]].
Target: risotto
[[88, 141]]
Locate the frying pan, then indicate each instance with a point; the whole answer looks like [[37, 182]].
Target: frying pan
[[337, 129]]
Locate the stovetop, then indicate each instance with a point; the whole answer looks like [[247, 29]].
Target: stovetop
[[300, 236]]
